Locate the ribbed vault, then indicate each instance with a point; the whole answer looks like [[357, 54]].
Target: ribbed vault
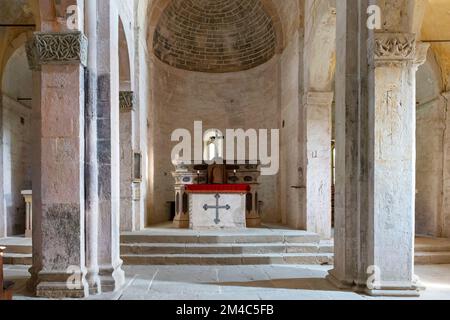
[[215, 35]]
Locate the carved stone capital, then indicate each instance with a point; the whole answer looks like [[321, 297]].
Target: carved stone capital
[[391, 48], [319, 98], [33, 61], [126, 101], [57, 48], [421, 53]]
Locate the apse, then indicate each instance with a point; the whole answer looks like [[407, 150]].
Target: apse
[[215, 35]]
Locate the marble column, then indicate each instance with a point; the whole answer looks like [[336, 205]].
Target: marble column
[[108, 143], [317, 111], [58, 164], [375, 139]]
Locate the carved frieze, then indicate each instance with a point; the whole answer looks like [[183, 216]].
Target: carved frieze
[[126, 101], [394, 47], [57, 48]]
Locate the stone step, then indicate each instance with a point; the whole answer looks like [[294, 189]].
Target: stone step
[[219, 239], [19, 248], [432, 248], [227, 248], [229, 259], [426, 258], [18, 259]]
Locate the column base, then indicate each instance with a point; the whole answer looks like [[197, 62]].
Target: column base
[[112, 279], [253, 222], [342, 285], [408, 291], [58, 285], [93, 281], [181, 221]]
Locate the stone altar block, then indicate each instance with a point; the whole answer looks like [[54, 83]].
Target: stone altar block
[[217, 207]]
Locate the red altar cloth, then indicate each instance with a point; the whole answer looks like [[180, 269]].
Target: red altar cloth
[[218, 188]]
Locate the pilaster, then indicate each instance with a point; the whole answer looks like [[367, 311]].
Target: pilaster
[[127, 218], [318, 167]]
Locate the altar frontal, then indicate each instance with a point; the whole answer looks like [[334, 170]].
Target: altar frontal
[[213, 207]]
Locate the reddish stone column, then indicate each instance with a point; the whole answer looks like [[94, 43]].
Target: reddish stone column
[[58, 60]]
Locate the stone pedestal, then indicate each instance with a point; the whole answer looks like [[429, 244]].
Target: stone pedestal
[[28, 197]]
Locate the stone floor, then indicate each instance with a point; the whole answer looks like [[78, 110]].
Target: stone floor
[[276, 282]]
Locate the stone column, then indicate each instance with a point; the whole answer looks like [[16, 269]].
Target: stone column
[[2, 195], [446, 178], [318, 167], [108, 143], [127, 217], [181, 219], [58, 168], [346, 229], [28, 198], [91, 163], [253, 218], [375, 124]]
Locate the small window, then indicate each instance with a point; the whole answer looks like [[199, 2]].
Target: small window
[[137, 165], [213, 145]]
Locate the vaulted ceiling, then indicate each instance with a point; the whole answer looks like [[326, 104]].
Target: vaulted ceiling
[[215, 35]]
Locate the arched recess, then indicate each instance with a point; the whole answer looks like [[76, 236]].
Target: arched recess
[[431, 127], [15, 108], [192, 91]]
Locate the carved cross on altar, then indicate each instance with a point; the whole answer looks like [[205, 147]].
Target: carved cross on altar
[[217, 207]]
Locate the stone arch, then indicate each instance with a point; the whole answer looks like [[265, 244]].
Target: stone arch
[[320, 45], [124, 59]]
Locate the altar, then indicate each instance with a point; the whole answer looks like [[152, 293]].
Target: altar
[[217, 206], [214, 196]]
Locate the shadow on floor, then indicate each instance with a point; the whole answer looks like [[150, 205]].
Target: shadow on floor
[[294, 284]]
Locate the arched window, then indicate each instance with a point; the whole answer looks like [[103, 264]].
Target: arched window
[[213, 145]]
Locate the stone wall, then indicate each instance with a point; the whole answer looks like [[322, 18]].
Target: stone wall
[[430, 134], [247, 99], [431, 127]]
